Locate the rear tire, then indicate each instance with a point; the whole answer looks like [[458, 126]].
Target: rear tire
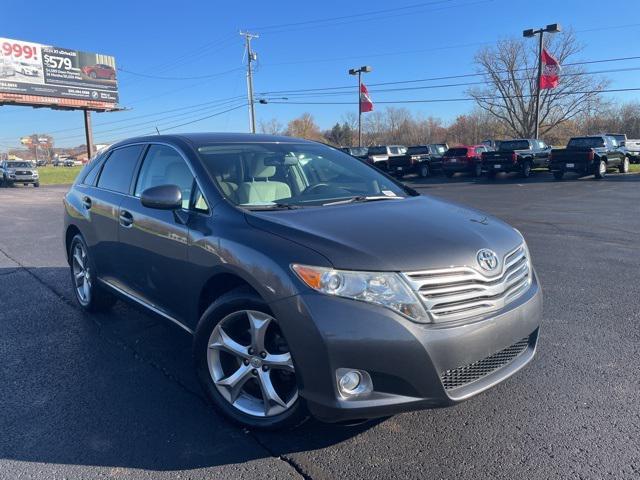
[[491, 175], [241, 311], [526, 169], [624, 167], [558, 175], [601, 170], [89, 295], [449, 174], [477, 170]]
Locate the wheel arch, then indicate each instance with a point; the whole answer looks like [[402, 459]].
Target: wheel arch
[[72, 231], [217, 285]]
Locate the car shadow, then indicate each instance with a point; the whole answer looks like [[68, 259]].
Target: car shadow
[[115, 390]]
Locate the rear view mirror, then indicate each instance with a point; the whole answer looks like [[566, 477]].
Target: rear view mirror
[[162, 197], [287, 160]]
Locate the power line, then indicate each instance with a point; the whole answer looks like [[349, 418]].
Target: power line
[[462, 99], [343, 17], [161, 112], [449, 85], [172, 127], [448, 77], [200, 77]]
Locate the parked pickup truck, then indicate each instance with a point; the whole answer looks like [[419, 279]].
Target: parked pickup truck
[[420, 159], [520, 155], [13, 171], [592, 155], [379, 155], [632, 149], [358, 152]]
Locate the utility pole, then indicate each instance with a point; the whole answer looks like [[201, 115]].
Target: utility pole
[[552, 28], [251, 57], [359, 72]]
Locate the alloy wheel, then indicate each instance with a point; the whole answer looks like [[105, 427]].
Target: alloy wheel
[[250, 364], [81, 273]]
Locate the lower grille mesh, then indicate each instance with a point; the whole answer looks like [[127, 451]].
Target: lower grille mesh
[[460, 376]]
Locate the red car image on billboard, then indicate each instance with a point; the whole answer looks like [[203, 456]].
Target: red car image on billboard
[[99, 71]]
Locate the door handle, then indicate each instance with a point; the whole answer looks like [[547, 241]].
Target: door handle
[[126, 219], [86, 202]]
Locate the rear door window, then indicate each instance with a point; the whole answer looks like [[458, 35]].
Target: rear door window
[[117, 172]]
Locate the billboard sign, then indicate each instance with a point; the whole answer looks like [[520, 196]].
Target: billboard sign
[[42, 74]]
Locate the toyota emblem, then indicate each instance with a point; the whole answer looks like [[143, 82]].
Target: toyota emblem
[[487, 259]]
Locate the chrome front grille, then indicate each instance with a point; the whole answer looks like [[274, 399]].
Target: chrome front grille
[[457, 377], [461, 292]]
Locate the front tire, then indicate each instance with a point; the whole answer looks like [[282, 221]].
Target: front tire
[[244, 363], [558, 175], [601, 170], [36, 185], [424, 170], [449, 174], [88, 294], [624, 167]]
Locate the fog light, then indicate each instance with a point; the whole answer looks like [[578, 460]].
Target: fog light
[[350, 381], [353, 382]]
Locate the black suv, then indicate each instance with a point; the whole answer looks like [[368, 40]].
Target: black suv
[[273, 253]]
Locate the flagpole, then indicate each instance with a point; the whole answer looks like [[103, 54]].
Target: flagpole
[[359, 72], [359, 108], [552, 28], [538, 84]]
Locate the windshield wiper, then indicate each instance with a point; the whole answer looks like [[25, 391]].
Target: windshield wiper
[[361, 199], [272, 206]]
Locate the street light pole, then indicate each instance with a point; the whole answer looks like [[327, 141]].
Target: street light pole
[[359, 72], [552, 28]]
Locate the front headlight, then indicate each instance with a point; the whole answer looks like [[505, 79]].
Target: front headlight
[[381, 288]]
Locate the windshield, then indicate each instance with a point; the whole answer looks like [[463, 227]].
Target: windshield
[[511, 145], [292, 175], [19, 165], [586, 142], [417, 150], [456, 152]]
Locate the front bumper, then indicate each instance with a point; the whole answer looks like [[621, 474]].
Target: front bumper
[[22, 178], [406, 361]]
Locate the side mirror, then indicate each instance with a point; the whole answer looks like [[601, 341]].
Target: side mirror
[[162, 197]]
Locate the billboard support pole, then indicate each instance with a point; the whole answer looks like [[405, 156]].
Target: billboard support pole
[[88, 132]]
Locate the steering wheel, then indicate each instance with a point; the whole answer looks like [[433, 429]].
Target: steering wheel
[[315, 187]]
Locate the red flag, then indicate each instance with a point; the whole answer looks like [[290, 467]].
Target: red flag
[[550, 70], [366, 105]]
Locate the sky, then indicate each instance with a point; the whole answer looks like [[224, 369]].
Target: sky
[[180, 62]]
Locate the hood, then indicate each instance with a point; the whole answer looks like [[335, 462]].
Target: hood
[[416, 233]]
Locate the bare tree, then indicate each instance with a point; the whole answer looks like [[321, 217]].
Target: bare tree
[[510, 72], [271, 127], [304, 127]]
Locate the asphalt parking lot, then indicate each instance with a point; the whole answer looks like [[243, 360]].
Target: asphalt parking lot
[[114, 395]]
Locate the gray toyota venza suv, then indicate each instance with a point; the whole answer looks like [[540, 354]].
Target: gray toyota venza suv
[[310, 281]]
